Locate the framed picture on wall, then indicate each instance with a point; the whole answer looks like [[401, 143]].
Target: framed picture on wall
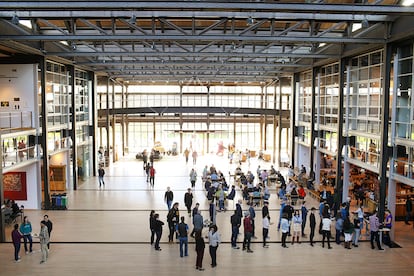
[[14, 185]]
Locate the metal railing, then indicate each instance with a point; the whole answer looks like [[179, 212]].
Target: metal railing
[[15, 120]]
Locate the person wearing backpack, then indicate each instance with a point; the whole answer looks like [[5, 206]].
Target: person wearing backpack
[[182, 233]]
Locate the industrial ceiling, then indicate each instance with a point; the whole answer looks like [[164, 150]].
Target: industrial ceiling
[[199, 42]]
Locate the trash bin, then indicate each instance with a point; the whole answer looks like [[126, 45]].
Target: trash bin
[[64, 201]]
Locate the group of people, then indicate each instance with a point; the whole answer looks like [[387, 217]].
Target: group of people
[[25, 232], [178, 227], [292, 221], [194, 155]]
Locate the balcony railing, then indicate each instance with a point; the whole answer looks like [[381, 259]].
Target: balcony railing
[[10, 121]]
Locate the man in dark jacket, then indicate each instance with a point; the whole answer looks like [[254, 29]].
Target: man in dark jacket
[[235, 221], [312, 223], [288, 209], [172, 219], [188, 200]]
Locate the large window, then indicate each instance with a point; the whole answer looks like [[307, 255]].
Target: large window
[[364, 104]]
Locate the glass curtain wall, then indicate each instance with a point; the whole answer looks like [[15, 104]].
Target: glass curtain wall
[[195, 127], [304, 107], [403, 143], [327, 99], [82, 94], [364, 107]]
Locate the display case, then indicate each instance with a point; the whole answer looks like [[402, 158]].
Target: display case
[[57, 178], [402, 191]]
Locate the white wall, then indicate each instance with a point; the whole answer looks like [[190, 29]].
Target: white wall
[[33, 187], [18, 87], [303, 157]]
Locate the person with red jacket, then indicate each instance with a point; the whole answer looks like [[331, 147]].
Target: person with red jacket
[[152, 176], [301, 192], [248, 232]]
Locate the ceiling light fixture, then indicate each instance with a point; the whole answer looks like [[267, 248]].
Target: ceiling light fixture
[[364, 23], [249, 21], [73, 45], [15, 20], [132, 20]]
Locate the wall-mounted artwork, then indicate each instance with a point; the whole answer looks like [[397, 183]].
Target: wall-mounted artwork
[[14, 185], [5, 104]]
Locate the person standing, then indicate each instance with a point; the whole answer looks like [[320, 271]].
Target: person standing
[[101, 173], [297, 224], [26, 230], [44, 240], [235, 221], [288, 210], [408, 210], [284, 226], [147, 170], [374, 229], [194, 213], [357, 231], [152, 225], [312, 224], [212, 211], [304, 212], [339, 228], [200, 245], [198, 222], [252, 218], [326, 230], [387, 225], [265, 209], [169, 197], [188, 200], [194, 155], [214, 241], [152, 176], [49, 225], [186, 154], [144, 158], [158, 231], [248, 232], [266, 225], [16, 238], [193, 177], [172, 219], [182, 233], [348, 231], [239, 208]]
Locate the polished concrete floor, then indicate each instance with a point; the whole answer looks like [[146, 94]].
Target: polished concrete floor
[[106, 232]]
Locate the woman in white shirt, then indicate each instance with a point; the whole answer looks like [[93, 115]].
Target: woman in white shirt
[[266, 224], [326, 231], [214, 241], [297, 226]]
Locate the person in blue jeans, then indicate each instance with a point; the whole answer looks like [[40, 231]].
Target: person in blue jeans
[[182, 232], [169, 197], [235, 225], [16, 238], [26, 230]]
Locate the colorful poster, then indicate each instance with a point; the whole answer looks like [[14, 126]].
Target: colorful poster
[[14, 185]]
